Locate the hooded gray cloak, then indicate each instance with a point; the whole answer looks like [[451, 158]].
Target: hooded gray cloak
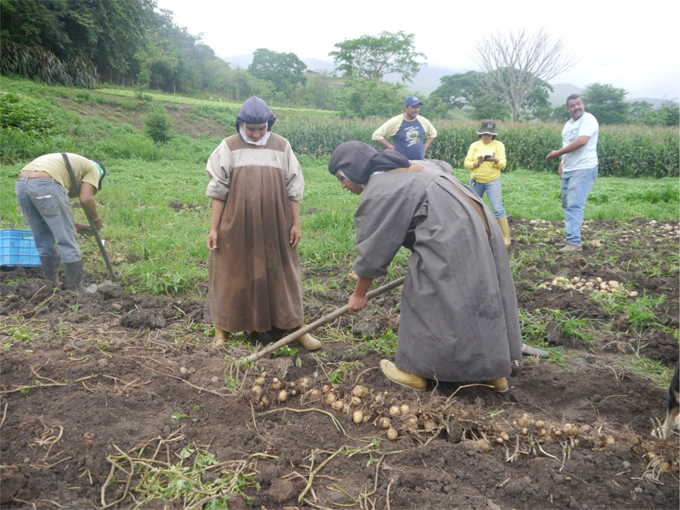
[[459, 319]]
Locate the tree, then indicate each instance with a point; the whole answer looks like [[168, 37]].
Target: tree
[[516, 61], [459, 90], [669, 114], [372, 98], [284, 70], [642, 112], [371, 58], [464, 90], [606, 103], [488, 107]]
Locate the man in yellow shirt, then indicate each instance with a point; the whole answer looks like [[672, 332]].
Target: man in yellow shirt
[[43, 189], [411, 133]]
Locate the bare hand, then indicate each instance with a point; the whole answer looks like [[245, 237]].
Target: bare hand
[[553, 155], [295, 236], [82, 229], [211, 242], [356, 303]]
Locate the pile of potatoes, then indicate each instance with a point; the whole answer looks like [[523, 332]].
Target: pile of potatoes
[[360, 403], [527, 426], [659, 233], [592, 284]]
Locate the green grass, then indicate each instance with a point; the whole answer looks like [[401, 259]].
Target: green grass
[[164, 249]]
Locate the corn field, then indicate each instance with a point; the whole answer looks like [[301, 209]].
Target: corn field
[[623, 151]]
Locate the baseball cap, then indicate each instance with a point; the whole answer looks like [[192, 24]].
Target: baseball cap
[[412, 101]]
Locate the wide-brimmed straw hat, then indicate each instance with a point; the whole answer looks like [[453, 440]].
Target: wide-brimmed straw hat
[[488, 128]]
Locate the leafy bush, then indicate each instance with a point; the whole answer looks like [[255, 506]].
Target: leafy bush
[[36, 63], [158, 124], [84, 97], [19, 112]]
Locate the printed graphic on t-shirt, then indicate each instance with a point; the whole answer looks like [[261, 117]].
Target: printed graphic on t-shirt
[[412, 135], [570, 136]]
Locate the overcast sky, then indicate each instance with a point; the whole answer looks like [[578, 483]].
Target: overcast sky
[[633, 48]]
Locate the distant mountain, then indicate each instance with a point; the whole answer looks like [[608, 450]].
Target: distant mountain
[[564, 90], [561, 92], [655, 101]]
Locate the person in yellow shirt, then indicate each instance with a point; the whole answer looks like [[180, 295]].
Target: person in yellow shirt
[[486, 159], [43, 188]]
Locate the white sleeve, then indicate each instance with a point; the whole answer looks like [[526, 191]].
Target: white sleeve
[[219, 171], [295, 182], [589, 126]]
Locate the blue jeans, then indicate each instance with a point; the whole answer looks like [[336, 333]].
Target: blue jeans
[[47, 209], [575, 187], [493, 192]]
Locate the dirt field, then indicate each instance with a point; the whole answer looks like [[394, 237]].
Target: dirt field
[[114, 398]]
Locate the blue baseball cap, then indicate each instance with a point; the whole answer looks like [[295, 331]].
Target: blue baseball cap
[[412, 101]]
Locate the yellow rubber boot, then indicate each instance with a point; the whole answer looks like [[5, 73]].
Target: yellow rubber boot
[[413, 381], [309, 343], [220, 338], [499, 385], [505, 228]]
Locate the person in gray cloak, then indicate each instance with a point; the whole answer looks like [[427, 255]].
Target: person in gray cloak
[[254, 274], [459, 320]]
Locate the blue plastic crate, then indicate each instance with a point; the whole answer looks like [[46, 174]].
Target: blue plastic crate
[[18, 248]]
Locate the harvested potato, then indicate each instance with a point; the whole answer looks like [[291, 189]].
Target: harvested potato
[[358, 417], [384, 423], [337, 405], [395, 411], [392, 434], [405, 410], [257, 390], [260, 381], [304, 384], [276, 384], [484, 445], [330, 398], [524, 420], [360, 391], [429, 424], [315, 394], [283, 396], [570, 429], [411, 422]]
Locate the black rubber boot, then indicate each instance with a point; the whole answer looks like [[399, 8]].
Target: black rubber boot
[[74, 276], [50, 266]]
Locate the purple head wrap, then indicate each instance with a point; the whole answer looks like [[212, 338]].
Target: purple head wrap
[[256, 112]]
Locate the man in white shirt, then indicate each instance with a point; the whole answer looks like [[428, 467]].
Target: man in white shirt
[[578, 168]]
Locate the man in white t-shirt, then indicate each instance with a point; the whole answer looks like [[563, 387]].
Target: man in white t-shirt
[[578, 168]]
